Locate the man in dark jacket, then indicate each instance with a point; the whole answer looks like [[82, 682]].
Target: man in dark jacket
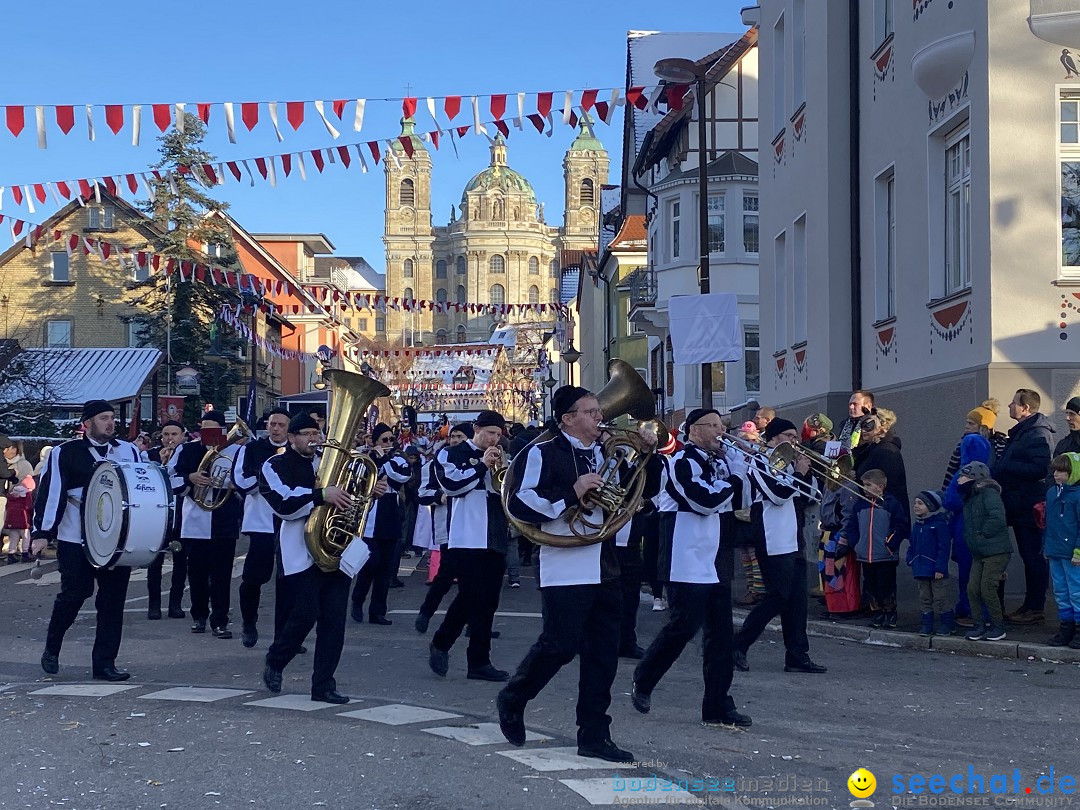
[[1021, 469], [1071, 443]]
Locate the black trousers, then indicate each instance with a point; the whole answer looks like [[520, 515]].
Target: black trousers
[[691, 607], [258, 570], [651, 552], [176, 584], [319, 599], [440, 586], [879, 584], [376, 575], [630, 586], [1036, 567], [210, 565], [77, 580], [479, 573], [578, 620], [785, 596]]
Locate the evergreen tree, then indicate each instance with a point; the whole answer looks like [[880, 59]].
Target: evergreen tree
[[181, 318]]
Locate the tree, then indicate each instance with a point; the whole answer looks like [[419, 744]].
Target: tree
[[181, 318]]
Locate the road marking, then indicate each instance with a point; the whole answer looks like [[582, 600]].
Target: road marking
[[195, 694], [16, 568], [556, 759], [500, 614], [398, 714], [479, 734], [85, 689], [299, 703], [607, 791]]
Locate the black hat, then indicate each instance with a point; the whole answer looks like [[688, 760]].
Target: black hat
[[379, 430], [1073, 405], [94, 407], [463, 427], [489, 419], [564, 398], [213, 416], [5, 442], [698, 414], [776, 427], [412, 451], [302, 421], [173, 423]]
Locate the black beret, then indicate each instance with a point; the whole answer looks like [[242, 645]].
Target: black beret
[[379, 430], [463, 427], [302, 421], [698, 414], [94, 407], [778, 426], [489, 419], [564, 398], [213, 416], [173, 423]]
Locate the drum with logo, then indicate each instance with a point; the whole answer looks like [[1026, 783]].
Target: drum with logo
[[126, 512]]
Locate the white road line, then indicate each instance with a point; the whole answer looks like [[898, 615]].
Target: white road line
[[616, 789], [399, 714], [479, 734], [195, 694]]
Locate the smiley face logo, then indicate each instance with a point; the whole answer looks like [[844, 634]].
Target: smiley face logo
[[862, 783]]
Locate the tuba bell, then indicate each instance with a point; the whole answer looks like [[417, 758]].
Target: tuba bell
[[218, 466], [328, 530]]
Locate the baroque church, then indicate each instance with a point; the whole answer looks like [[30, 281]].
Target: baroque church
[[496, 248]]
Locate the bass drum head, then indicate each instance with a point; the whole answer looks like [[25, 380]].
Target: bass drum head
[[103, 514]]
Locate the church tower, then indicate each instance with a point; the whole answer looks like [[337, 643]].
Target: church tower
[[585, 170], [408, 237]]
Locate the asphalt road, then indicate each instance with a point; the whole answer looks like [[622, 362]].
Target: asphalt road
[[898, 713]]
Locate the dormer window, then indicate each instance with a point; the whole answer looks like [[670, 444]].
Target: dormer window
[[101, 216]]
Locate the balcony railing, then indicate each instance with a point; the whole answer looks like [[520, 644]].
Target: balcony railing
[[642, 283]]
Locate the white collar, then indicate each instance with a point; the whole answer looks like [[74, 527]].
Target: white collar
[[577, 444]]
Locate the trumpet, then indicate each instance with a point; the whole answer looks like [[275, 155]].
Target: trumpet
[[837, 472], [777, 460]]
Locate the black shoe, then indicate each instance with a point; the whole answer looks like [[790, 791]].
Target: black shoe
[[272, 679], [153, 613], [357, 613], [605, 750], [511, 720], [250, 636], [634, 652], [489, 673], [176, 613], [198, 626], [421, 623], [741, 663], [330, 696], [732, 718], [221, 632], [438, 660], [110, 673], [397, 583], [50, 662], [642, 702], [805, 666], [380, 620]]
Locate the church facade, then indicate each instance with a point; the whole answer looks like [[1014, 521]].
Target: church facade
[[496, 248]]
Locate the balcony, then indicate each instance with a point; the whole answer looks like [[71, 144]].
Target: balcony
[[642, 286]]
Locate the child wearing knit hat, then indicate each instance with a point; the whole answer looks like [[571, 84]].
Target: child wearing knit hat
[[928, 555]]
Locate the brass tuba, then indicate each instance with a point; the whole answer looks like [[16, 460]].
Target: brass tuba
[[626, 393], [218, 466], [328, 531]]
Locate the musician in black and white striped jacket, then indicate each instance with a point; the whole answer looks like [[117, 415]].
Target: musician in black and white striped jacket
[[778, 529], [698, 487]]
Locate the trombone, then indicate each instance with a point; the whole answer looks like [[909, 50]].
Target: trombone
[[835, 471], [777, 459]]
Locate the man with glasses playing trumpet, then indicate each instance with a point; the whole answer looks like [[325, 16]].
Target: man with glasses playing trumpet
[[775, 515]]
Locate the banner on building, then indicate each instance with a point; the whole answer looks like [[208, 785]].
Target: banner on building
[[170, 408], [705, 328]]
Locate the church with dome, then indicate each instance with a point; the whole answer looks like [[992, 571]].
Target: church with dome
[[496, 247]]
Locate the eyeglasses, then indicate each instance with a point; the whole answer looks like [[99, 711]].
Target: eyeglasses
[[309, 434], [590, 412], [385, 441]]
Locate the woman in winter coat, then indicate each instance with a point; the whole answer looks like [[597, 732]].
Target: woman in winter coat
[[20, 504]]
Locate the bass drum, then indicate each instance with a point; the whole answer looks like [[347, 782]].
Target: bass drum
[[127, 510]]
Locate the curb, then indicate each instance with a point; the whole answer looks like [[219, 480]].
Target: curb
[[956, 645]]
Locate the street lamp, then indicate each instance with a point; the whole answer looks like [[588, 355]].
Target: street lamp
[[686, 71], [571, 356], [549, 384]]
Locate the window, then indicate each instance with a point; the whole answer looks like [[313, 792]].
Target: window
[[380, 324], [534, 266], [716, 223], [461, 294], [58, 334], [407, 294], [957, 213], [408, 192], [750, 223], [719, 378], [780, 289], [885, 245], [497, 295], [442, 337], [674, 210], [779, 76], [553, 295], [348, 322], [462, 334], [138, 273], [752, 358], [440, 268], [361, 324], [497, 264], [798, 53], [462, 264], [440, 296], [587, 195], [798, 281], [136, 337], [407, 268], [61, 270], [883, 20], [101, 216], [1069, 107], [553, 268], [534, 294], [216, 250]]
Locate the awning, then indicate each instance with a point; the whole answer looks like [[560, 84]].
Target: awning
[[67, 378]]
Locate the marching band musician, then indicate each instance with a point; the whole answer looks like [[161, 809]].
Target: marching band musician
[[315, 597], [579, 586], [476, 546], [172, 436], [698, 486], [777, 525], [258, 523], [210, 536], [382, 529], [58, 515]]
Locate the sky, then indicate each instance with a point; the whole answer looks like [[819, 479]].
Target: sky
[[131, 51]]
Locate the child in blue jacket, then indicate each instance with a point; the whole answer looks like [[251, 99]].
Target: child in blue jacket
[[928, 556], [1061, 546]]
